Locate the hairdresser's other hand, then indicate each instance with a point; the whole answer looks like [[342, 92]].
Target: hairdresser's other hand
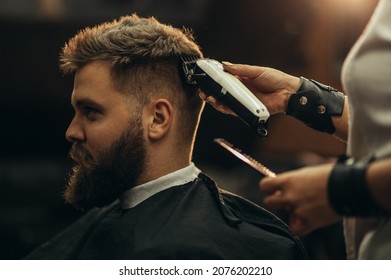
[[303, 193], [269, 85]]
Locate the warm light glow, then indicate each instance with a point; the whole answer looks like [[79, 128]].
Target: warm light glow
[[356, 7]]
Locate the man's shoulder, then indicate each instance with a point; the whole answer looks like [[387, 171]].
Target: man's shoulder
[[66, 242], [234, 205], [249, 211], [203, 217]]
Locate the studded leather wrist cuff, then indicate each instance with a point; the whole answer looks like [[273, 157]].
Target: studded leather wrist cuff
[[348, 191], [314, 104]]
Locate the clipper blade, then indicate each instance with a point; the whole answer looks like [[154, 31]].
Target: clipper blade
[[188, 68], [246, 158]]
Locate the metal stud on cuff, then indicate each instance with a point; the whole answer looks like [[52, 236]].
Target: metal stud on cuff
[[314, 104], [321, 109], [303, 100]]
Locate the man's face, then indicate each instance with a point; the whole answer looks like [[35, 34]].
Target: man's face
[[107, 135]]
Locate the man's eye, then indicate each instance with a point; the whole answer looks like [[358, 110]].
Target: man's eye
[[91, 113]]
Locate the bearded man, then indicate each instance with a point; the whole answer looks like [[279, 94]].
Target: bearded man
[[133, 133]]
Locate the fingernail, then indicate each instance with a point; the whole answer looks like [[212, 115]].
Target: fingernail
[[223, 110], [226, 63]]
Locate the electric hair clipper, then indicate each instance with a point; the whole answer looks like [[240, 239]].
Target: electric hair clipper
[[210, 77]]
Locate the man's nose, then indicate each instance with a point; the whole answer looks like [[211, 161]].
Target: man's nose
[[75, 132]]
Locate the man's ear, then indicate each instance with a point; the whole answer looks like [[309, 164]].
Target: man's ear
[[159, 119]]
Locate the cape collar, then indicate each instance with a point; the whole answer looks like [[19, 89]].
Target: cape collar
[[138, 194]]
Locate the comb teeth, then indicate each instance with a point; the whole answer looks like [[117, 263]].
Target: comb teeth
[[246, 158], [265, 171]]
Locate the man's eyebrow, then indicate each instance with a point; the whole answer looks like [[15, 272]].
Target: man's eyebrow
[[87, 102]]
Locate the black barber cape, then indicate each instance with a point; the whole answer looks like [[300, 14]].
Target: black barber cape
[[192, 221]]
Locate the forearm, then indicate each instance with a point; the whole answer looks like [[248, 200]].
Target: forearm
[[361, 188], [379, 182], [341, 123], [318, 106]]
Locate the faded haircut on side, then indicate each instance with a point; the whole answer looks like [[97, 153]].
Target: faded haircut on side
[[144, 58]]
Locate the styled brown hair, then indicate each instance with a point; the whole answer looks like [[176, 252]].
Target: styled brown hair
[[143, 55]]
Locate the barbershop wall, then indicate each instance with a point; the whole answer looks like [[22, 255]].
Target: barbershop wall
[[301, 37]]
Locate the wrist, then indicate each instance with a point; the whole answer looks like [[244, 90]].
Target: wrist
[[292, 86], [295, 84], [348, 190], [314, 104]]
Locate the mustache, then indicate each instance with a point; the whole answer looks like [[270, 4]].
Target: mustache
[[80, 155]]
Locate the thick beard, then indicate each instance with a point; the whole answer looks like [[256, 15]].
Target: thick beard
[[99, 183]]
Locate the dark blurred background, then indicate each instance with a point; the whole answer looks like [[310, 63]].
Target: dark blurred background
[[301, 37]]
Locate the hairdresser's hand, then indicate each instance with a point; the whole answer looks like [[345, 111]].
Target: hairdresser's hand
[[271, 86], [303, 193]]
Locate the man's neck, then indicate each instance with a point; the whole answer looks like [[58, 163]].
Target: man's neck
[[164, 157], [139, 193]]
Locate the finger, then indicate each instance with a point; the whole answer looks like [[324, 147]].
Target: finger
[[213, 101], [269, 185], [275, 201], [242, 70], [299, 225], [203, 95], [216, 104], [210, 99]]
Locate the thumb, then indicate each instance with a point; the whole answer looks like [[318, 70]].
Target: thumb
[[269, 184]]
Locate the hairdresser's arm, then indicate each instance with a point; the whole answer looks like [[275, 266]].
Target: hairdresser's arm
[[341, 123], [304, 192], [273, 88], [379, 182]]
